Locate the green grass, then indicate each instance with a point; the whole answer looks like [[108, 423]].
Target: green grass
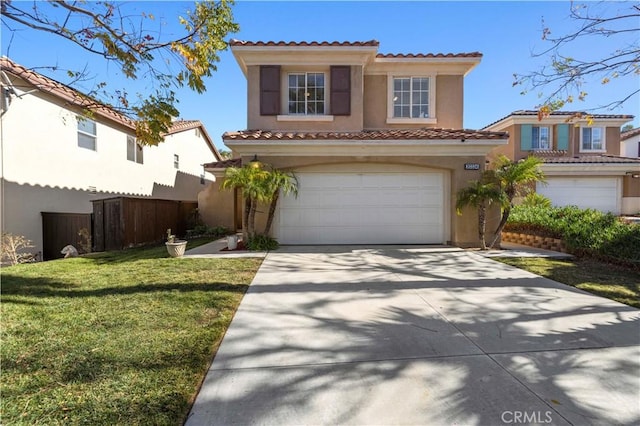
[[606, 280], [113, 338]]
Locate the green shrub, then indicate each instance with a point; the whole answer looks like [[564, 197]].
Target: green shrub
[[586, 231], [207, 231], [262, 243], [533, 199]]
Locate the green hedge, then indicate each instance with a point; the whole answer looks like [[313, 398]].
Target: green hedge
[[586, 232]]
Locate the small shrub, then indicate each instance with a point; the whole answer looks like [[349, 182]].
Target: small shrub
[[534, 199], [587, 232], [12, 249], [262, 243], [207, 231]]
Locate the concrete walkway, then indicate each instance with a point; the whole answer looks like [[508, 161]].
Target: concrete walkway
[[425, 336]]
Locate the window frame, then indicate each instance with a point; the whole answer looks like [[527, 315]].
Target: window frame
[[138, 151], [549, 137], [431, 105], [603, 138], [79, 132], [325, 86]]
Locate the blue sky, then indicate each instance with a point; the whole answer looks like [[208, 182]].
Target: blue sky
[[505, 32]]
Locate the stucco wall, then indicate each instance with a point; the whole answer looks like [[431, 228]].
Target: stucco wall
[[43, 169], [216, 206], [449, 103], [351, 122], [463, 228]]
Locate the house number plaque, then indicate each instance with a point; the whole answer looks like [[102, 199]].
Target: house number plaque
[[472, 166]]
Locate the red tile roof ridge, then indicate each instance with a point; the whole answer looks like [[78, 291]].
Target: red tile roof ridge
[[383, 134], [629, 133], [430, 55], [64, 92], [236, 42]]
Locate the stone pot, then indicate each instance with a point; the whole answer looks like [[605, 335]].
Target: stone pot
[[176, 248], [232, 242]]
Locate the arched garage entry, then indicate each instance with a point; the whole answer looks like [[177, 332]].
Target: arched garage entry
[[366, 204]]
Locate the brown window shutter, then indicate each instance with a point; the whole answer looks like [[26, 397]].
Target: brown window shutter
[[269, 89], [341, 90]]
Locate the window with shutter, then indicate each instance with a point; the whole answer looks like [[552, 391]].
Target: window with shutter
[[269, 90], [341, 90]]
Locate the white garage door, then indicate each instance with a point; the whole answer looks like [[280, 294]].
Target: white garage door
[[364, 208], [595, 193]]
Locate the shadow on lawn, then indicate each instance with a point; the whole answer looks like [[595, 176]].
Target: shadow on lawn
[[15, 287]]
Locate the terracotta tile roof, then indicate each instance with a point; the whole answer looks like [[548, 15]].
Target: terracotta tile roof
[[234, 162], [629, 134], [63, 92], [591, 159], [390, 134], [568, 114], [429, 55], [370, 43]]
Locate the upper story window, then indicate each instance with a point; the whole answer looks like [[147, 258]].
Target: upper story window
[[87, 134], [134, 150], [411, 97], [540, 138], [176, 161], [592, 139], [307, 93]]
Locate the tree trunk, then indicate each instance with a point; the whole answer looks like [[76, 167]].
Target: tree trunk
[[252, 219], [245, 220], [482, 221], [503, 221], [272, 212]]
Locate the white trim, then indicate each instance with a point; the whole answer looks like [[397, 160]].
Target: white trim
[[552, 120], [586, 169], [301, 117], [432, 119], [604, 139]]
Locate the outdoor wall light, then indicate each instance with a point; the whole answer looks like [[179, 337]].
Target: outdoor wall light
[[634, 175], [255, 163]]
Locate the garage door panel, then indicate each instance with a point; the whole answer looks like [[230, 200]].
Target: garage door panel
[[364, 208], [595, 193]]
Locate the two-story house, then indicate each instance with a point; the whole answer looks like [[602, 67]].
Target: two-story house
[[54, 158], [581, 158], [630, 143], [376, 141]]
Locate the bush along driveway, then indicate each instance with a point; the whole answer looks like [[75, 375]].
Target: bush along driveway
[[115, 338]]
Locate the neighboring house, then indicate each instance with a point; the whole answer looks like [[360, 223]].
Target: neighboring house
[[630, 143], [582, 159], [376, 141], [53, 159]]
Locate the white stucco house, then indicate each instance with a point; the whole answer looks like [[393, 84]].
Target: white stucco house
[[52, 159], [630, 143]]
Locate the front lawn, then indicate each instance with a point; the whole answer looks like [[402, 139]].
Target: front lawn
[[114, 338], [613, 282]]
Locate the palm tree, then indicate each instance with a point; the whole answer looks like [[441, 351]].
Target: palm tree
[[278, 181], [515, 178], [252, 182], [479, 194]]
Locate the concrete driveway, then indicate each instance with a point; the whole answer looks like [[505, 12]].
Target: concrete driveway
[[425, 336]]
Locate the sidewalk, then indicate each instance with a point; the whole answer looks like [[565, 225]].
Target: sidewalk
[[519, 250], [213, 249]]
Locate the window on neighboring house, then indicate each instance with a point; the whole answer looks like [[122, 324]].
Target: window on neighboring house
[[87, 135], [307, 93], [592, 139], [411, 97], [540, 138], [176, 161], [134, 150]]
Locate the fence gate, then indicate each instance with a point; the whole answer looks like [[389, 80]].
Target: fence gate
[[61, 229]]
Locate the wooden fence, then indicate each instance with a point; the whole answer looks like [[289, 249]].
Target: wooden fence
[[128, 222], [61, 229]]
